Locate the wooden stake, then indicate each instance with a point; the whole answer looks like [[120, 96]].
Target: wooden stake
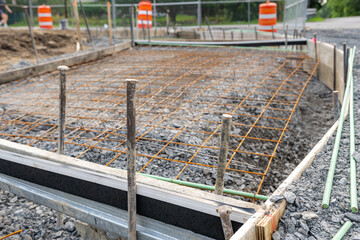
[[109, 22], [76, 16]]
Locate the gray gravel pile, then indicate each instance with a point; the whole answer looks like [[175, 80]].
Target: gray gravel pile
[[304, 217], [36, 221]]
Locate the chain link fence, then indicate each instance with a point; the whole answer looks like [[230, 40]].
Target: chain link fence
[[295, 14], [165, 13]]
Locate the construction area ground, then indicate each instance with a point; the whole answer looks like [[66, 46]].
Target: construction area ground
[[280, 110]]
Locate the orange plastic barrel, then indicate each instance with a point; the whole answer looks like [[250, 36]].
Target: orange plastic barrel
[[145, 15], [45, 18], [267, 17]]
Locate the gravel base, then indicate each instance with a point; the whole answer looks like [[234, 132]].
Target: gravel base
[[304, 218]]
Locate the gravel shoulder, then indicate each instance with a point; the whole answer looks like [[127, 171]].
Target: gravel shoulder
[[304, 217]]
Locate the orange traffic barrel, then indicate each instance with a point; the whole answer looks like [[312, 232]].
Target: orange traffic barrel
[[144, 15], [45, 19], [267, 17]]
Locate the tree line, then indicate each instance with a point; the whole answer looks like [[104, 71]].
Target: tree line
[[336, 8]]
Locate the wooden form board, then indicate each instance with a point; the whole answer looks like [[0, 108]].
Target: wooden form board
[[270, 222], [177, 205]]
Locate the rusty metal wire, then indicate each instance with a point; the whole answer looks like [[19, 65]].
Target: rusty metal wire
[[181, 96]]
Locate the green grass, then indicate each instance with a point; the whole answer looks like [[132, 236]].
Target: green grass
[[315, 19]]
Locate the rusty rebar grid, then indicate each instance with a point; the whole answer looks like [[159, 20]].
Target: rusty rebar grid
[[181, 95]]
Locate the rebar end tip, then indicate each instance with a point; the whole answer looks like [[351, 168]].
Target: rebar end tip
[[354, 209], [227, 116], [63, 68], [131, 80]]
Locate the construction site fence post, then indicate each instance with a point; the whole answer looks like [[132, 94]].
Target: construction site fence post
[[248, 13], [131, 156], [199, 13], [131, 26], [224, 146], [31, 13], [154, 15], [113, 8], [31, 34]]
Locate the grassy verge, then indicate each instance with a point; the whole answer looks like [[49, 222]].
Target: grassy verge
[[315, 19]]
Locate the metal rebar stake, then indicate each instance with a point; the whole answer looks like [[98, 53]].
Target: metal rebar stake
[[131, 156], [142, 27], [87, 25], [62, 106], [294, 36], [224, 146], [256, 35], [345, 62], [167, 21], [335, 92], [62, 113], [224, 212], [224, 36], [286, 36], [316, 57], [207, 22], [272, 31]]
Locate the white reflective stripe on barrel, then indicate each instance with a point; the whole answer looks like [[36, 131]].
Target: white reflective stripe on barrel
[[45, 23], [144, 22], [44, 14], [262, 27], [267, 16], [143, 12]]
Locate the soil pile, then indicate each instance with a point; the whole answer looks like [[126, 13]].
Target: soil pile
[[15, 45]]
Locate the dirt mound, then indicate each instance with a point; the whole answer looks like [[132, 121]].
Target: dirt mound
[[15, 45]]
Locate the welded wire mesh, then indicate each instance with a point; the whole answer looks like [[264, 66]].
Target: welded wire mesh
[[181, 96]]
